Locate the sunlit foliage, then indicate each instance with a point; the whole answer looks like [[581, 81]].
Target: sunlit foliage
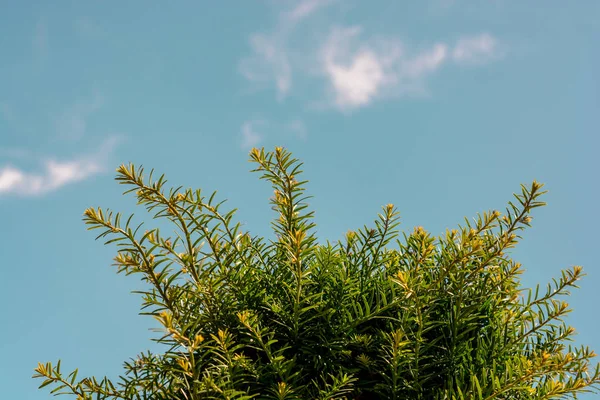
[[373, 316]]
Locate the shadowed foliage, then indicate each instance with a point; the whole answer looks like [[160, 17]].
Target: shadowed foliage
[[373, 316]]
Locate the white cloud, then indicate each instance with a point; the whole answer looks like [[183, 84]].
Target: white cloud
[[356, 77], [269, 63], [359, 72], [475, 49], [303, 10], [255, 131], [356, 84], [250, 136], [9, 178], [270, 59], [425, 62], [54, 174]]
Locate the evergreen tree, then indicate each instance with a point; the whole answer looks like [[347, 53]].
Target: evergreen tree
[[373, 316]]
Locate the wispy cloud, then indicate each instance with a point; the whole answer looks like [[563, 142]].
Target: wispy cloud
[[71, 124], [269, 63], [54, 174], [425, 62], [476, 49], [361, 71], [270, 59], [302, 10], [357, 71], [26, 172], [251, 137], [256, 131]]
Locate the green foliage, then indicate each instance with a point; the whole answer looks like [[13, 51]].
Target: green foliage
[[372, 316]]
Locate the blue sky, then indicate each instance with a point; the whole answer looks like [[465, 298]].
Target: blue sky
[[441, 107]]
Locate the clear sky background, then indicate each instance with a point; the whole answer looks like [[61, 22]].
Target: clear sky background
[[441, 107]]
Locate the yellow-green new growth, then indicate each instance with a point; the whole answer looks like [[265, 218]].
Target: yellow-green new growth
[[371, 316]]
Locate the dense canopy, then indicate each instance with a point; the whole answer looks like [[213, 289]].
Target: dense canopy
[[375, 315]]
